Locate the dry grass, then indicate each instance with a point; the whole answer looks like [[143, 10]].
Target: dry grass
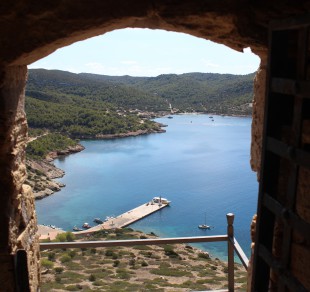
[[139, 268]]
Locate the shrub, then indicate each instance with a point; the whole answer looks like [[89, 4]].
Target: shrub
[[72, 253], [170, 252], [51, 256], [144, 264], [47, 264], [132, 262], [123, 274], [72, 288], [109, 253], [98, 283], [60, 237], [66, 236], [70, 236], [93, 251], [92, 278], [65, 258], [116, 263], [172, 272], [58, 270], [204, 255]]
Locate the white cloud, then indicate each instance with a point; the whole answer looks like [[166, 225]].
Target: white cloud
[[131, 68], [129, 62], [95, 66], [210, 64]]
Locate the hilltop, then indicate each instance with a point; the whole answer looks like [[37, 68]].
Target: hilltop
[[190, 92]]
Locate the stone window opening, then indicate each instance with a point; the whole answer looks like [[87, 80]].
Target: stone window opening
[[30, 32]]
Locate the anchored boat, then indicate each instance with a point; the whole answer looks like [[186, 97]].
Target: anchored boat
[[98, 221], [160, 200], [204, 226], [86, 225]]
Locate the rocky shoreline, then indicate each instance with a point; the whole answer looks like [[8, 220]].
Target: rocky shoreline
[[130, 134], [41, 173]]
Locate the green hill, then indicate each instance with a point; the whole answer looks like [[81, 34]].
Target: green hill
[[218, 93], [90, 105]]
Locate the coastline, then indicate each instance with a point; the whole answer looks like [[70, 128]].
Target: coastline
[[125, 135], [131, 141], [41, 173], [48, 171]]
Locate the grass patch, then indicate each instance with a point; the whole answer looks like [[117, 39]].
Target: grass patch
[[123, 274], [171, 272], [73, 275], [73, 288], [206, 272], [74, 266], [118, 286], [48, 286], [142, 247]]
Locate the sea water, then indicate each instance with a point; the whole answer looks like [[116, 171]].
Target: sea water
[[201, 164]]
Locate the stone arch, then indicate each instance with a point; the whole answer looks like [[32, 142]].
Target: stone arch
[[31, 30], [41, 30]]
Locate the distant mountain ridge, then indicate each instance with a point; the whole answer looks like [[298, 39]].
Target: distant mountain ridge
[[202, 92]]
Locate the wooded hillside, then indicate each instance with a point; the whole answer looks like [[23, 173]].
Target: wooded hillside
[[88, 105]]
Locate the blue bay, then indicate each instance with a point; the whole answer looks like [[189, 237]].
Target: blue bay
[[199, 164]]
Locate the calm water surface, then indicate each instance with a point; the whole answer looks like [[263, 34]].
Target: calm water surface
[[200, 165]]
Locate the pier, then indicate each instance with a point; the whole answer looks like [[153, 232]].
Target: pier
[[126, 218]]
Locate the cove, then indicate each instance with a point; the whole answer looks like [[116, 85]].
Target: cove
[[201, 165]]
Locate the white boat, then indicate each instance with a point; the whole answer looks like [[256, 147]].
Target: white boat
[[86, 225], [160, 200], [108, 218], [204, 226]]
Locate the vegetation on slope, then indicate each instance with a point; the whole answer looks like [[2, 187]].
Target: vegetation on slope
[[87, 106], [204, 92], [138, 268], [82, 121], [89, 103], [40, 147]]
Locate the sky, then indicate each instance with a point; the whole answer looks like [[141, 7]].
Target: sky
[[146, 52]]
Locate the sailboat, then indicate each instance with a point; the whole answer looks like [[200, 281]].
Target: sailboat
[[204, 226]]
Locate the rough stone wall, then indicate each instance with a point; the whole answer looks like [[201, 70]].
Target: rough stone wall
[[258, 114], [17, 215], [30, 30]]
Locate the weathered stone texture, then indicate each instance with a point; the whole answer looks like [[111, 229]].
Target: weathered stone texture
[[17, 215], [258, 114], [41, 28], [31, 30]]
